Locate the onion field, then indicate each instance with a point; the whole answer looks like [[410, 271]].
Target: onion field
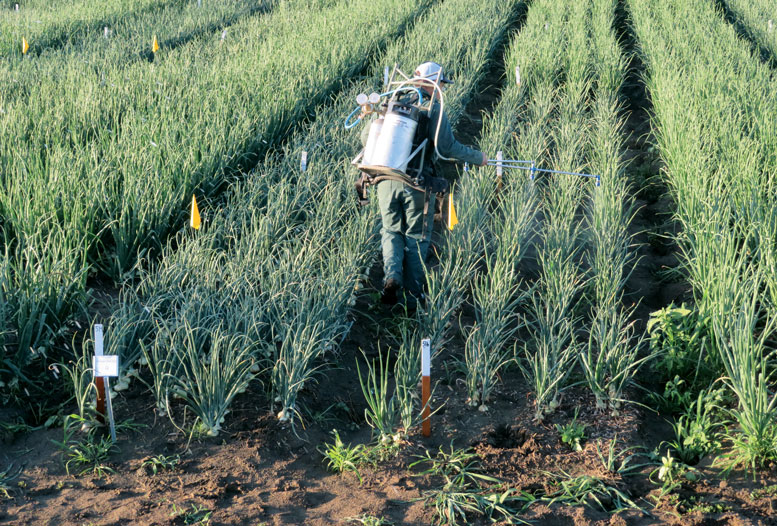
[[602, 321]]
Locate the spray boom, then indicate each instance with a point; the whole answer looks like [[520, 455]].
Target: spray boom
[[522, 165]]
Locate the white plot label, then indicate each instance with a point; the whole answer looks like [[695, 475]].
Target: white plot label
[[106, 366], [303, 162], [98, 339], [499, 163], [518, 75], [426, 357]]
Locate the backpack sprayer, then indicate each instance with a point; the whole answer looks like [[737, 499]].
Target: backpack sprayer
[[397, 142], [393, 140]]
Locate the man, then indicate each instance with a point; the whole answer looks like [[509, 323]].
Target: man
[[403, 239]]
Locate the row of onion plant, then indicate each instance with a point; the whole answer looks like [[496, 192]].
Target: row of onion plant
[[45, 26], [716, 136], [610, 358], [759, 19], [99, 173], [127, 39], [560, 93]]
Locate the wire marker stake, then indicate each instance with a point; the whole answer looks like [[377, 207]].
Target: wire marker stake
[[499, 170], [533, 171], [303, 162], [426, 385], [105, 367]]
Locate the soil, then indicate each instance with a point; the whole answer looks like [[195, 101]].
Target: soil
[[260, 471]]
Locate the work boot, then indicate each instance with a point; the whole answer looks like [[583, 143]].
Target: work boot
[[390, 289]]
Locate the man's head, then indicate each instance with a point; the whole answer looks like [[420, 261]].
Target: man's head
[[431, 71]]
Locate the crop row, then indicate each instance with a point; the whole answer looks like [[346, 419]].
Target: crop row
[[268, 284], [759, 19], [561, 110], [97, 174], [129, 38], [715, 121], [44, 25]]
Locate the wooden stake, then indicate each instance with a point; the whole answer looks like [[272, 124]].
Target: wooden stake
[[426, 386]]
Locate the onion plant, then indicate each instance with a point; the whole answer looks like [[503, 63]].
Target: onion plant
[[497, 292], [748, 359], [214, 368]]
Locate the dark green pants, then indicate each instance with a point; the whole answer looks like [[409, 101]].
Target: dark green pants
[[403, 238]]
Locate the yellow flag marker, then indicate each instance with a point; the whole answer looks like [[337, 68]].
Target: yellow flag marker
[[452, 219], [25, 46], [155, 45], [195, 222]]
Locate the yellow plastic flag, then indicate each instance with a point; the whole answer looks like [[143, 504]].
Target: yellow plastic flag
[[155, 45], [25, 46], [452, 219], [195, 222]]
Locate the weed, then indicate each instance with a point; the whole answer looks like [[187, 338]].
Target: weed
[[766, 491], [697, 430], [369, 520], [161, 463], [6, 477], [343, 458], [678, 339], [694, 504], [462, 491], [197, 515], [587, 490], [88, 455], [619, 462], [572, 433], [670, 475]]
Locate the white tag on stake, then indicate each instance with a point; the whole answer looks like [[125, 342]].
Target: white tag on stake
[[426, 357], [771, 26], [106, 366], [303, 163], [223, 35], [499, 163], [98, 339], [385, 76], [16, 7], [518, 75]]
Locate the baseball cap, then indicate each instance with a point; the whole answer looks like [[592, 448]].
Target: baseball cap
[[431, 71]]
